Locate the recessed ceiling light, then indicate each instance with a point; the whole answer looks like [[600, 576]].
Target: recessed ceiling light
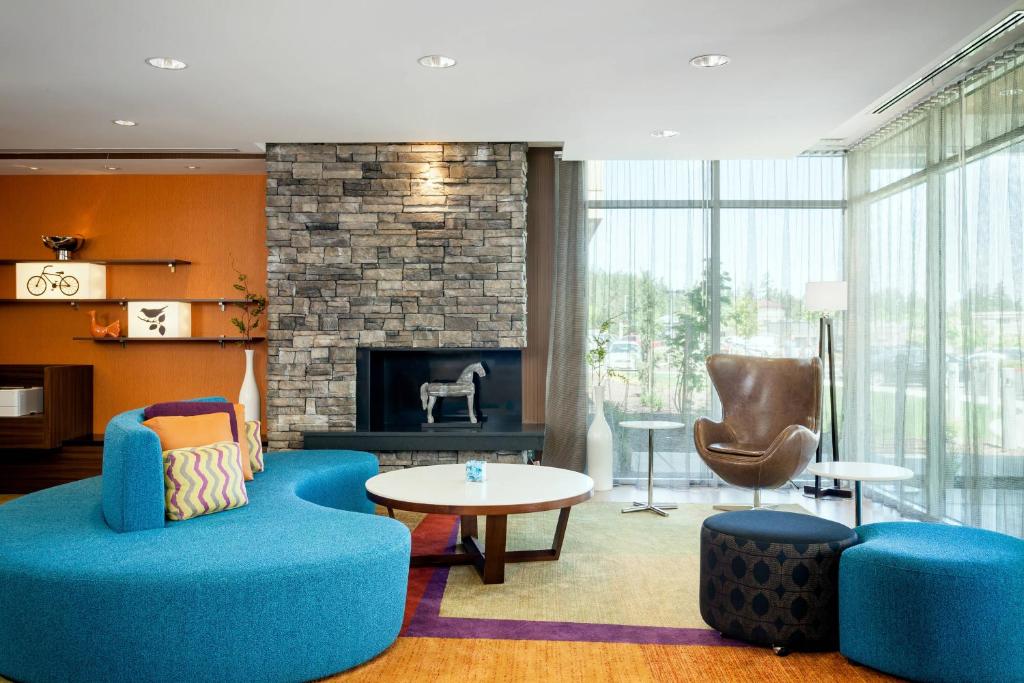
[[436, 61], [169, 63], [112, 168], [191, 167], [666, 133], [33, 168], [709, 61], [123, 122]]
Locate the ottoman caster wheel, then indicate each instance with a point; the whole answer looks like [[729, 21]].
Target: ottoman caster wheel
[[780, 650]]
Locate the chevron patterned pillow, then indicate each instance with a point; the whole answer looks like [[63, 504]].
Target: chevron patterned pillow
[[203, 480], [252, 437]]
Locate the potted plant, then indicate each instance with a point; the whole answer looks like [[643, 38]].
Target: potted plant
[[247, 323], [599, 436]]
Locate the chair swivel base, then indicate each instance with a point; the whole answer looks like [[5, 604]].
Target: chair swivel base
[[756, 505]]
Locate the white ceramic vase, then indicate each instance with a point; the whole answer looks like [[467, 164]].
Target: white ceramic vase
[[249, 394], [599, 445]]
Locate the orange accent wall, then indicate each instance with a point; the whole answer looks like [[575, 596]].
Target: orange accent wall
[[206, 219]]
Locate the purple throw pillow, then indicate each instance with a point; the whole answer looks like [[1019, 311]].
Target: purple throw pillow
[[189, 408]]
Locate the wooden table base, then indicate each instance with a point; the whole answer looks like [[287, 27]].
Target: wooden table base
[[491, 559]]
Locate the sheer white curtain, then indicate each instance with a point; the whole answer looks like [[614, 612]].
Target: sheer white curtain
[[648, 270], [936, 251], [691, 257]]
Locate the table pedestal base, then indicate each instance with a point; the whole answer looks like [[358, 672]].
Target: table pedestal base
[[490, 560], [653, 507], [827, 492]]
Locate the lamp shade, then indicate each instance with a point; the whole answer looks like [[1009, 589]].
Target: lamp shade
[[825, 296]]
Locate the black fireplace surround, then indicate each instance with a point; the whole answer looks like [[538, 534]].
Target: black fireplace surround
[[388, 387], [390, 414]]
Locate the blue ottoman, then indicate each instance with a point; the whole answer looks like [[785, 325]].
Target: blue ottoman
[[934, 602], [769, 577]]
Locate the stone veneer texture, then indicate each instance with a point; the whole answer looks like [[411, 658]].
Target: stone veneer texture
[[388, 245]]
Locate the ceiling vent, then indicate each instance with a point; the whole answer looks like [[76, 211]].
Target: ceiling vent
[[1011, 22]]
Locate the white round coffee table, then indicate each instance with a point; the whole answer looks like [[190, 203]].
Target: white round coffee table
[[651, 426], [858, 472], [508, 490]]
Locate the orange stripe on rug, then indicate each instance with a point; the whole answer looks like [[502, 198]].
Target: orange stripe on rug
[[479, 661]]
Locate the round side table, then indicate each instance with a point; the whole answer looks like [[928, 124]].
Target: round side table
[[651, 426], [858, 472]]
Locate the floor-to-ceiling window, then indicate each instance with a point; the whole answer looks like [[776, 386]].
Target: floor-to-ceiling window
[[936, 327], [691, 257]]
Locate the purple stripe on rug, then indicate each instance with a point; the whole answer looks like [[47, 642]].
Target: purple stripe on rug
[[427, 622]]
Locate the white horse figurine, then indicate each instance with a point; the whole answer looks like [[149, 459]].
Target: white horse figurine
[[463, 386]]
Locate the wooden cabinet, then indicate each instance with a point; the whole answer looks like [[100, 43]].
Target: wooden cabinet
[[67, 406]]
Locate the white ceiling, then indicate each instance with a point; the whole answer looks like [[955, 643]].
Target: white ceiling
[[595, 75]]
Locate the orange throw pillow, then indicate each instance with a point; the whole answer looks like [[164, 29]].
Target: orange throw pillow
[[243, 443], [190, 431]]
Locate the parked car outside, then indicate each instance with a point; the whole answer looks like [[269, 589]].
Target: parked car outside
[[624, 356]]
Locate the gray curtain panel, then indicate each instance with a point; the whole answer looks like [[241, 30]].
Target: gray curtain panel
[[565, 433]]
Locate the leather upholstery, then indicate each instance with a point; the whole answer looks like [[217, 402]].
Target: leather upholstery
[[771, 419]]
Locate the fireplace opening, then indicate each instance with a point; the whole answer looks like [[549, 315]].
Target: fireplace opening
[[389, 389]]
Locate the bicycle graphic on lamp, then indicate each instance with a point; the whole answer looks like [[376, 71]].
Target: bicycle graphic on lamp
[[38, 284]]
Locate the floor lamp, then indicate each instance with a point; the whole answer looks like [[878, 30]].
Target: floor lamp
[[826, 298]]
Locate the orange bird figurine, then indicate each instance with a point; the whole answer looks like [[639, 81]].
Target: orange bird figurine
[[100, 331]]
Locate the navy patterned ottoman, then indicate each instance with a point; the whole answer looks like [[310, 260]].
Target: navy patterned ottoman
[[770, 577]]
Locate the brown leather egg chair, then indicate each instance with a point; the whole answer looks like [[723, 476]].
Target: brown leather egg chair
[[771, 420]]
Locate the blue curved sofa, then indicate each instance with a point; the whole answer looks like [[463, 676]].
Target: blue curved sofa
[[303, 582], [933, 602]]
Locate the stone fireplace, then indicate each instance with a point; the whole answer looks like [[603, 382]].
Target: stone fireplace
[[386, 246]]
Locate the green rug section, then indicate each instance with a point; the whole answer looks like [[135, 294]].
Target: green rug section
[[627, 569]]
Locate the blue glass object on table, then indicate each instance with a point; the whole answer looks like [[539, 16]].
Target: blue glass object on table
[[476, 470]]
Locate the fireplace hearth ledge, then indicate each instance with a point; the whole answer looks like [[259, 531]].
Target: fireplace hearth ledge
[[528, 437]]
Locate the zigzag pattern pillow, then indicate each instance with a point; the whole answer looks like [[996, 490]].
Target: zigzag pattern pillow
[[203, 480], [252, 437]]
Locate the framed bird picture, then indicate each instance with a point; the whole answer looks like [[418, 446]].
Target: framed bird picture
[[159, 319]]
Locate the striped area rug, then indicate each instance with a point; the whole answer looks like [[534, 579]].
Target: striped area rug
[[620, 605]]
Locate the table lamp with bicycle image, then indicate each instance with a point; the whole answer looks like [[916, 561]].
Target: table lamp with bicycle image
[[61, 279]]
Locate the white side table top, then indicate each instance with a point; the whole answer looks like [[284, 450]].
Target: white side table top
[[506, 485], [651, 424], [859, 471]]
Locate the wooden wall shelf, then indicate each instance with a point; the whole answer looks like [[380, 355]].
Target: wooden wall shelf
[[171, 263], [123, 341], [74, 303]]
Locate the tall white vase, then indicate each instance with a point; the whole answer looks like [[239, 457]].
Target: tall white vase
[[249, 394], [599, 445]]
